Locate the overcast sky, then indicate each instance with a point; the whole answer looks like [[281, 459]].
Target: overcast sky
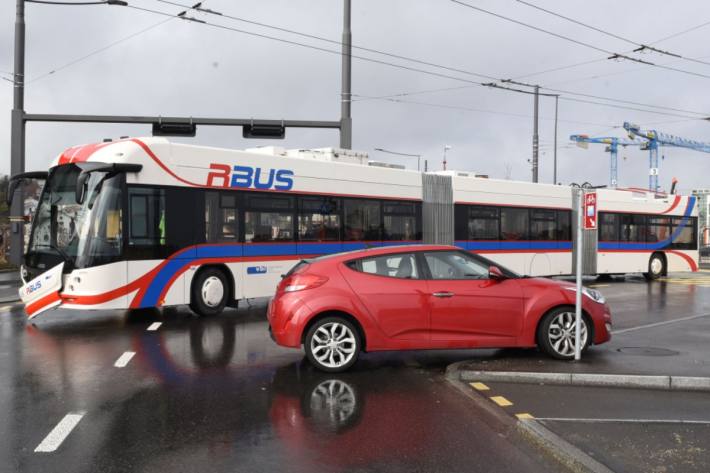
[[189, 69]]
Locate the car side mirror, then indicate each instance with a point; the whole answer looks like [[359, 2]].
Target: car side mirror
[[495, 274]]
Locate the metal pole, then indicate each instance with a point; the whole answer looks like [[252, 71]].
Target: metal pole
[[346, 122], [554, 173], [17, 137], [578, 300], [535, 135]]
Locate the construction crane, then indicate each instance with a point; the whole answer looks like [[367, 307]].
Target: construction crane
[[655, 139], [612, 148]]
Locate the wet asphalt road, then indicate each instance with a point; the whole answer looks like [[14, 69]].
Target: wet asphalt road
[[218, 395]]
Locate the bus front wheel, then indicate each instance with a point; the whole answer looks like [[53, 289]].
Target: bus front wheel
[[209, 293], [656, 267]]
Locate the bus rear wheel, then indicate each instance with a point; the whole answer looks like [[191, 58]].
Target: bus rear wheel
[[209, 292], [656, 267]]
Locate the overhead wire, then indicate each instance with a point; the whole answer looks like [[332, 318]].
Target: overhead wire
[[368, 59], [612, 54], [97, 51], [640, 47]]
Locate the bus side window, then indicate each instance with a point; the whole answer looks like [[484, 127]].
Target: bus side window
[[543, 224], [608, 227], [513, 224], [268, 218], [146, 217], [362, 220], [221, 217], [564, 226], [400, 221]]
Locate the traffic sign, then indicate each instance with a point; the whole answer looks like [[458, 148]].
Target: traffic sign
[[590, 211]]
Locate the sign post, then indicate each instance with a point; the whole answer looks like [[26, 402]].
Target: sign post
[[586, 220]]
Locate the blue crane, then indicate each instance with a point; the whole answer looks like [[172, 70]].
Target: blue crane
[[654, 139], [612, 148]]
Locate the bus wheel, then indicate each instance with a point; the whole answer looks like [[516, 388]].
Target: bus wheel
[[656, 267], [209, 293]]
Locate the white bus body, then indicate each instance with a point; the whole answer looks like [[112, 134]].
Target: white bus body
[[156, 213]]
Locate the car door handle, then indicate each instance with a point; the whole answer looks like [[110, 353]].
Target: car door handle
[[443, 294]]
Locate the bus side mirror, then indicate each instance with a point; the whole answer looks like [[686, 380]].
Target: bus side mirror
[[81, 186]]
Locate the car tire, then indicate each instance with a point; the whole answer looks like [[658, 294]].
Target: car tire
[[656, 267], [555, 334], [209, 292], [332, 344]]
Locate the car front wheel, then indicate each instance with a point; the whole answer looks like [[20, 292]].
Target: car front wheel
[[332, 344], [556, 333]]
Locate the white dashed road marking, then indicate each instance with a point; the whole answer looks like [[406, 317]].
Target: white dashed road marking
[[124, 359], [154, 326], [62, 430], [658, 324]]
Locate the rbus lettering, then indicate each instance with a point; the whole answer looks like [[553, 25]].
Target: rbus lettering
[[285, 179], [242, 176], [263, 185], [223, 173]]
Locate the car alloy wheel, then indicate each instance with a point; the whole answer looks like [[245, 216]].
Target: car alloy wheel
[[332, 344], [561, 334]]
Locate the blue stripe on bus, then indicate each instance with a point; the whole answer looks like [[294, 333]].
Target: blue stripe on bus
[[514, 245], [616, 245]]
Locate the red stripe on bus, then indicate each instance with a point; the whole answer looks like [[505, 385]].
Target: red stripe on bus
[[42, 303]]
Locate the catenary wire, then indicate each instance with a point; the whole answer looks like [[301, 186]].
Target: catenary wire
[[386, 53], [613, 55]]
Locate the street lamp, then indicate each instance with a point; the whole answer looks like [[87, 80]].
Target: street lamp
[[446, 148], [418, 156]]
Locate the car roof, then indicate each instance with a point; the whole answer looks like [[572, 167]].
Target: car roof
[[381, 250]]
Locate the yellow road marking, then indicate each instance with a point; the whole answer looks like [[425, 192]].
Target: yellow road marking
[[599, 285], [479, 386], [501, 401], [524, 415]]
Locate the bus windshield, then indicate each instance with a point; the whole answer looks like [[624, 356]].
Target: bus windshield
[[82, 235]]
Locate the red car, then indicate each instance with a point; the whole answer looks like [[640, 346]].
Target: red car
[[425, 297]]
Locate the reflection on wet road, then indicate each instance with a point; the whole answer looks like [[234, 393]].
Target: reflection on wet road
[[217, 394]]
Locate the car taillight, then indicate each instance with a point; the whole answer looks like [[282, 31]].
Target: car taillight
[[301, 282]]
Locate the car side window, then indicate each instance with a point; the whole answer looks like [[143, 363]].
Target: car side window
[[455, 265], [403, 266]]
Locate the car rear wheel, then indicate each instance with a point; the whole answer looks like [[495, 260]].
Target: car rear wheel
[[556, 333], [332, 344]]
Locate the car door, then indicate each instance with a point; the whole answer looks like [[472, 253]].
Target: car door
[[469, 309], [390, 288]]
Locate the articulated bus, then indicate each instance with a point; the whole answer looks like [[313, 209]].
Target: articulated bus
[[138, 223]]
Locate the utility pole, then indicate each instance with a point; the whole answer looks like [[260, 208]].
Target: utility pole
[[536, 139], [346, 121], [17, 137], [554, 158]]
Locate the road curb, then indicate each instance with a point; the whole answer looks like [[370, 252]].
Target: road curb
[[563, 451], [673, 383], [559, 450]]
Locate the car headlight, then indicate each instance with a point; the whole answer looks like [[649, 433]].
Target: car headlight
[[593, 294]]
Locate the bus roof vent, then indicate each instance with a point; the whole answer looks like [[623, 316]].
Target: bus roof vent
[[451, 172], [380, 164], [269, 150], [337, 155]]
